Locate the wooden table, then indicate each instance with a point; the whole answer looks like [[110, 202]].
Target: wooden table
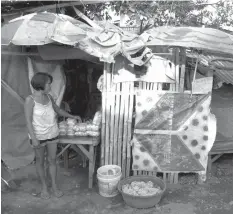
[[219, 148], [79, 142]]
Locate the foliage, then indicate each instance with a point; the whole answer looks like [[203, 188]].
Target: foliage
[[151, 13]]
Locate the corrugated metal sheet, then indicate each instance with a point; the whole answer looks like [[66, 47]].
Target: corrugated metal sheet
[[226, 71], [225, 76]]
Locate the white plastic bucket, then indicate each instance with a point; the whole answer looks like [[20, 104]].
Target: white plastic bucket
[[108, 183], [102, 172]]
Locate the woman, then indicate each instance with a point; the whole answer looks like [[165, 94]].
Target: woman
[[40, 111]]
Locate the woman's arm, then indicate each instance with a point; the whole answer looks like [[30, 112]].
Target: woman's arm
[[61, 112], [28, 110]]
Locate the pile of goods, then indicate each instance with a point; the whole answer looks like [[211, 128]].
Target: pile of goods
[[141, 188], [71, 127]]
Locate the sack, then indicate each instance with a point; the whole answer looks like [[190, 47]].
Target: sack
[[97, 118]]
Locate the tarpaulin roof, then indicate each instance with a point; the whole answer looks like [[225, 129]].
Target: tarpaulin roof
[[108, 40]]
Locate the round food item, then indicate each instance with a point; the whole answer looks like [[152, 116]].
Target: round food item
[[93, 134], [92, 127], [80, 133]]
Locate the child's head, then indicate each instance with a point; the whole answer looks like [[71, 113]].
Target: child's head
[[41, 82]]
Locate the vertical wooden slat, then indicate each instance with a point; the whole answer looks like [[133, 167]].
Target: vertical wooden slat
[[121, 120], [173, 62], [116, 124], [131, 102], [182, 73], [112, 100], [108, 103], [160, 86], [177, 57], [125, 136], [103, 128]]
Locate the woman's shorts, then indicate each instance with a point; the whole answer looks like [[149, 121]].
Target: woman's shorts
[[44, 141]]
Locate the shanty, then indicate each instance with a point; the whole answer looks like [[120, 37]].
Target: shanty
[[117, 107]]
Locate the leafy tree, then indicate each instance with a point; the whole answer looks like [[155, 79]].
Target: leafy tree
[[150, 13]]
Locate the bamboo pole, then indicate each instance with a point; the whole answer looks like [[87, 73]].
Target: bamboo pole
[[116, 124], [103, 128], [125, 136], [108, 79], [121, 120], [131, 103], [112, 118], [15, 53]]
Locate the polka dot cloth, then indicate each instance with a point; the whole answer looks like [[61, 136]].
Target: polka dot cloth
[[142, 159], [197, 133]]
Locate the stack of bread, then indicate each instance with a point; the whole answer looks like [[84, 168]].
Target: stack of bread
[[70, 127], [71, 123], [62, 128]]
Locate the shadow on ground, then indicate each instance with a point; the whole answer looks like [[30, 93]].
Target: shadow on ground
[[213, 197]]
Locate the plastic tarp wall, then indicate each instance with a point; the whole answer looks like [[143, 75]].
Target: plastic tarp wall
[[16, 72], [16, 151], [54, 68]]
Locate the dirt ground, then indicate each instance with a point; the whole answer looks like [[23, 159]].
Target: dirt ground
[[213, 197]]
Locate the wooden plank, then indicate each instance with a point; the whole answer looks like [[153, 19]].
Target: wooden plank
[[85, 18], [220, 147], [176, 178], [182, 73], [216, 158], [108, 103], [116, 124], [177, 64], [160, 86], [91, 166], [131, 103], [165, 177], [103, 128], [121, 120]]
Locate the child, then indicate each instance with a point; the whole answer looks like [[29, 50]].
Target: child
[[40, 111]]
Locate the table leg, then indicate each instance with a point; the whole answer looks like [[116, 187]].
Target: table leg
[[91, 166], [66, 159]]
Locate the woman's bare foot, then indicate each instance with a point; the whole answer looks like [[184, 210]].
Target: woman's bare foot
[[45, 194], [58, 193]]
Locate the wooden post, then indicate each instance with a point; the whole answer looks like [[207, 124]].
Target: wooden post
[[177, 65], [182, 73], [116, 124], [103, 128]]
